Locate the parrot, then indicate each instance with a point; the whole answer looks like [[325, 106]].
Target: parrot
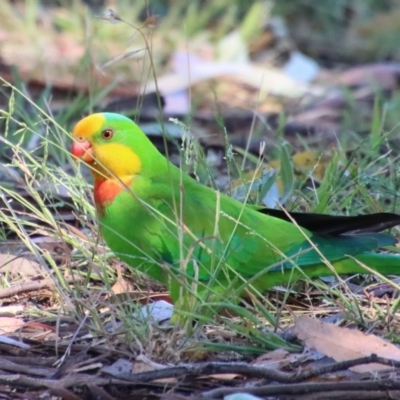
[[164, 223]]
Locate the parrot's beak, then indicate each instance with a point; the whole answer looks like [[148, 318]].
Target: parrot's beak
[[82, 150]]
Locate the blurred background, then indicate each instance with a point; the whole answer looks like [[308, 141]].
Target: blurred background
[[317, 75]]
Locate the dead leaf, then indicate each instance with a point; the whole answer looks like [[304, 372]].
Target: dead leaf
[[277, 359], [122, 286], [19, 266], [10, 324], [343, 344]]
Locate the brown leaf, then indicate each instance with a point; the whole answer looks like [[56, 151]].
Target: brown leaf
[[122, 286], [19, 266], [277, 359], [10, 324], [343, 344]]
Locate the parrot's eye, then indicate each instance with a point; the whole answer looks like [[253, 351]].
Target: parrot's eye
[[107, 134]]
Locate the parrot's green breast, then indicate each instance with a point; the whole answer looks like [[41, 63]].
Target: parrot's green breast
[[153, 233]]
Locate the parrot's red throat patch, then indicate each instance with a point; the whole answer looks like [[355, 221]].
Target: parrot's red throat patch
[[105, 191]]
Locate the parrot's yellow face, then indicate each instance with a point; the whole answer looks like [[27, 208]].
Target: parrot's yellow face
[[104, 145], [83, 132]]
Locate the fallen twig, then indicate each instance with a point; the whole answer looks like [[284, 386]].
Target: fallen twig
[[210, 368], [348, 395], [307, 388], [31, 286], [25, 369]]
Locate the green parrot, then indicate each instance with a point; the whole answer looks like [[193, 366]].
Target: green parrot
[[162, 222]]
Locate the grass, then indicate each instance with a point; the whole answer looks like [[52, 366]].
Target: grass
[[360, 189], [366, 181]]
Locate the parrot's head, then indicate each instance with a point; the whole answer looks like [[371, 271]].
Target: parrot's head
[[111, 144]]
